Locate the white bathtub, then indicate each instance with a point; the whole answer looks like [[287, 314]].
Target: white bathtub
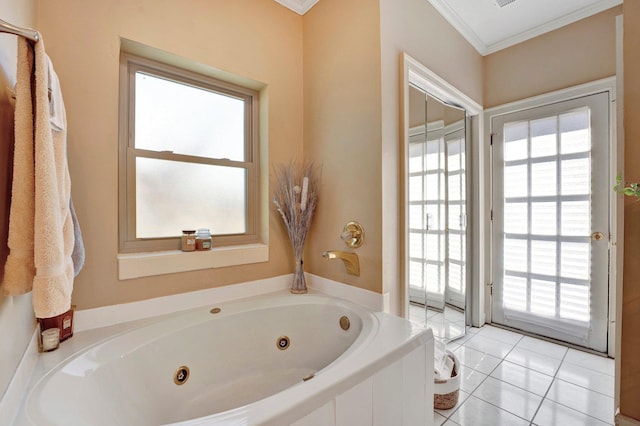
[[237, 372]]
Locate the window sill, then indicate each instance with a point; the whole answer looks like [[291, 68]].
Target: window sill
[[136, 265]]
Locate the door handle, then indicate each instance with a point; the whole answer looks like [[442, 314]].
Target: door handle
[[597, 236]]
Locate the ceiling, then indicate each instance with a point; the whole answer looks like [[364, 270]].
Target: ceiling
[[298, 6], [492, 25]]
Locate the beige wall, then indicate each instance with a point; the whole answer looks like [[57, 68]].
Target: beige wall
[[256, 39], [415, 27], [352, 82], [630, 347], [342, 133], [16, 313], [578, 53]]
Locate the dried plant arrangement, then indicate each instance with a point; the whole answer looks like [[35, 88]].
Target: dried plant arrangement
[[296, 198]]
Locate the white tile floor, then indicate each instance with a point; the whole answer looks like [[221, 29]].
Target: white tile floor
[[511, 379]]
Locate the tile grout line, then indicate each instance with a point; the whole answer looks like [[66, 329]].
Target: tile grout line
[[566, 406], [544, 398], [502, 360], [549, 388], [483, 380]]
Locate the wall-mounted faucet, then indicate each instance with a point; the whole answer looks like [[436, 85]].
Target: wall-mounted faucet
[[351, 262]]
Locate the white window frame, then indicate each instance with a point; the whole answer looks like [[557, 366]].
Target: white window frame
[[148, 257]]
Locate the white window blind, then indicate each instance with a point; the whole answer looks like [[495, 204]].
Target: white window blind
[[547, 216]]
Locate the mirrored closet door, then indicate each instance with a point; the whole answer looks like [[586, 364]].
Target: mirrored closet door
[[437, 214]]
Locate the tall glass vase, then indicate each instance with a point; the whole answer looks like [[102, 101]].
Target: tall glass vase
[[299, 285]]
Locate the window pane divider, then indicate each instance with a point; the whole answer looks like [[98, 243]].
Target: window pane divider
[[171, 156]]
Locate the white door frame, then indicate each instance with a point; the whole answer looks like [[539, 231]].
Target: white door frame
[[615, 146], [419, 75]]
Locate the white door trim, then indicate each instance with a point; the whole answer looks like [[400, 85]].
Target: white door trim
[[417, 74]]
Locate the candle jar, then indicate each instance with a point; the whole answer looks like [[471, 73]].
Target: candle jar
[[203, 239], [188, 240], [50, 339]]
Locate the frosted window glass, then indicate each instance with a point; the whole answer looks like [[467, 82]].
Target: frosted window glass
[[416, 159], [415, 188], [515, 255], [543, 257], [432, 278], [172, 116], [432, 161], [415, 274], [576, 176], [543, 137], [515, 141], [172, 196], [432, 186], [576, 218], [432, 247], [415, 244], [454, 161], [574, 132], [454, 187], [454, 216], [455, 277], [515, 218], [553, 201], [543, 298], [543, 218], [574, 302], [543, 179], [515, 181], [574, 260], [455, 247], [415, 217], [515, 293]]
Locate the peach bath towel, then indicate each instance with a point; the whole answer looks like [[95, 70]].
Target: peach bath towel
[[53, 225], [19, 268], [51, 237]]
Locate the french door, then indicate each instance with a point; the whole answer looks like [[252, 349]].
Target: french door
[[551, 220]]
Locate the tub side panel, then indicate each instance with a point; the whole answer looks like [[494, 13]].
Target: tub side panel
[[355, 406], [323, 416], [387, 401]]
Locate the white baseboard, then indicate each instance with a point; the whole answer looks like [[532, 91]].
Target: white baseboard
[[622, 420], [12, 398], [89, 319]]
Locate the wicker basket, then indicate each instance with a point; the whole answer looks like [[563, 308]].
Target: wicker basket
[[446, 392]]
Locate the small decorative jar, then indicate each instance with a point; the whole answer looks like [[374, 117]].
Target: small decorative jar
[[50, 339], [203, 239], [188, 240]]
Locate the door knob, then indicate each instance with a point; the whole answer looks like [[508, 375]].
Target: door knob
[[598, 236]]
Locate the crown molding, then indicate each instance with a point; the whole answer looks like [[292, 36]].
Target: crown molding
[[570, 18], [452, 17], [299, 6]]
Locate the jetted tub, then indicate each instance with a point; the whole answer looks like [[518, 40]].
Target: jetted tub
[[267, 360]]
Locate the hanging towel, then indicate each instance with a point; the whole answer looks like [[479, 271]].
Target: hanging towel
[[58, 120], [53, 225], [77, 256], [19, 268]]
